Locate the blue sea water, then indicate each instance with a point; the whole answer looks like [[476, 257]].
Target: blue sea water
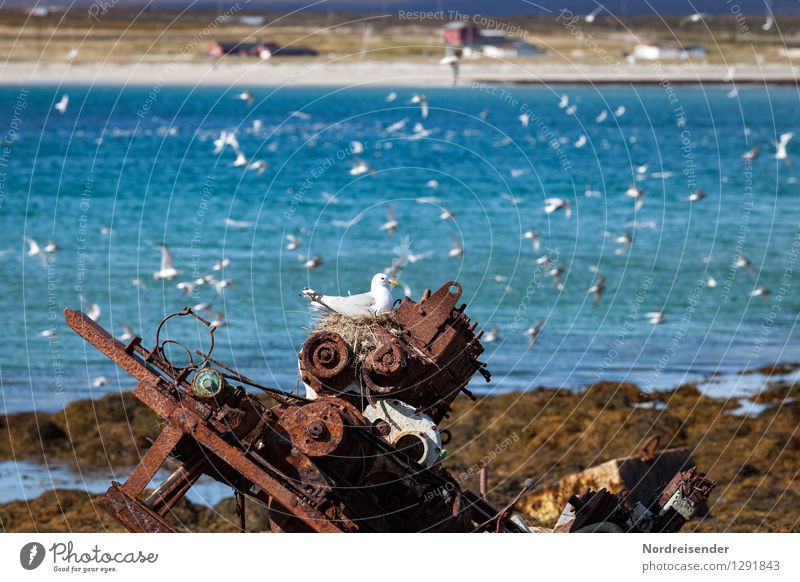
[[126, 169]]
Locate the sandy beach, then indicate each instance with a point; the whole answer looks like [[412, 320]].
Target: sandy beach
[[317, 72]]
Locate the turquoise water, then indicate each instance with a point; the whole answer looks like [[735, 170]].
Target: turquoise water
[[140, 163]]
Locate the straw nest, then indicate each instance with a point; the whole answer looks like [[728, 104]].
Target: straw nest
[[359, 332]]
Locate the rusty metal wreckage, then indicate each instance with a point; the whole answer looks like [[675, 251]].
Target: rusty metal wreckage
[[361, 452]]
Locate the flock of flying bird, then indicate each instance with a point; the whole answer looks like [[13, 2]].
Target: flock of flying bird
[[552, 205]]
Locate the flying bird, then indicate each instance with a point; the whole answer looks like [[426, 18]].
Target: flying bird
[[589, 192], [597, 288], [259, 166], [360, 167], [453, 61], [347, 223], [533, 333], [697, 195], [780, 146], [33, 247], [313, 262], [535, 239], [239, 223], [294, 242], [751, 154], [221, 264], [655, 317], [186, 287], [589, 18], [422, 100], [692, 18], [447, 214], [92, 310], [493, 335], [219, 286], [247, 97], [127, 333], [458, 248], [61, 106], [241, 160], [168, 270], [555, 273], [377, 300], [553, 204], [637, 194], [391, 224], [742, 262]]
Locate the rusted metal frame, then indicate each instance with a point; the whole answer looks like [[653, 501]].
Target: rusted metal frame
[[131, 358], [487, 513], [132, 513], [234, 457], [108, 345], [152, 460], [174, 487], [169, 372], [275, 394]]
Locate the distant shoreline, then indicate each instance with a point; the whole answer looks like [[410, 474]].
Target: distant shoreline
[[315, 73]]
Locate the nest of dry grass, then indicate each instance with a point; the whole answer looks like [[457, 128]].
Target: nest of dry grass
[[359, 332]]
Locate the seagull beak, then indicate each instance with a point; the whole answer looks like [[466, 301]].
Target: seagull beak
[[393, 282]]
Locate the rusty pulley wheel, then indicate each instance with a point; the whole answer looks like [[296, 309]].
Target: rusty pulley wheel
[[316, 429], [385, 368], [325, 354]]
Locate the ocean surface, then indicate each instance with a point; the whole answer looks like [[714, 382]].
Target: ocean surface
[[124, 170]]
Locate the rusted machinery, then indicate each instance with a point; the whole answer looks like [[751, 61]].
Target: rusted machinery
[[361, 451], [683, 498], [426, 363], [331, 464]]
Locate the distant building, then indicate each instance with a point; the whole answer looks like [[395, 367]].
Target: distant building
[[654, 52], [474, 41], [259, 49]]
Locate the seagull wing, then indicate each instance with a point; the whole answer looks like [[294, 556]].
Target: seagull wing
[[361, 304], [33, 246], [166, 258]]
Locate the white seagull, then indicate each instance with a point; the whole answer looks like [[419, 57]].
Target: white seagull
[[92, 310], [533, 333], [377, 300], [535, 239], [458, 248], [168, 270], [780, 146], [61, 106], [391, 224], [294, 242], [553, 204], [637, 194], [423, 104]]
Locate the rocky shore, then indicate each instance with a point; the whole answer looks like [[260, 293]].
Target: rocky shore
[[545, 434]]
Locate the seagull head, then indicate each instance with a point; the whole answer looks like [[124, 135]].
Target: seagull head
[[382, 280]]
